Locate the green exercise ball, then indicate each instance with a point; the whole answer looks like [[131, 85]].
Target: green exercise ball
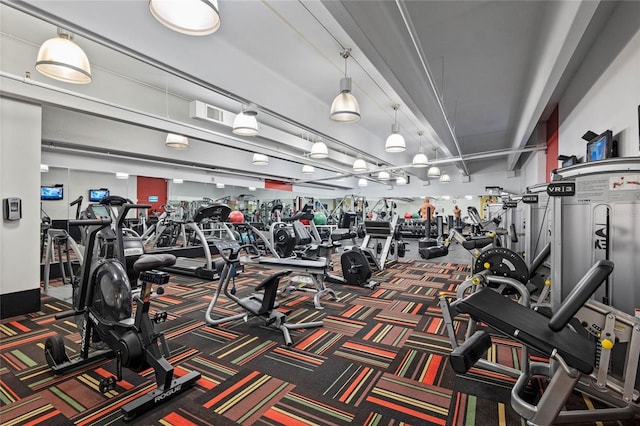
[[319, 218], [416, 216]]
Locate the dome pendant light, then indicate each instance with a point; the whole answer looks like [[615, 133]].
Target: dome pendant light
[[245, 123], [176, 141], [445, 178], [345, 107], [395, 141], [420, 159], [62, 59], [191, 17], [260, 160], [308, 170], [319, 150], [384, 175], [362, 182], [434, 171], [359, 165]]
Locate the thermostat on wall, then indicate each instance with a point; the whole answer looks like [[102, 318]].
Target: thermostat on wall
[[12, 208]]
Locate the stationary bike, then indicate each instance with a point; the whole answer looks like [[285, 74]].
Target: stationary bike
[[103, 298]]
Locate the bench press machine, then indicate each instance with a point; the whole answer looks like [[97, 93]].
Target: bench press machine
[[580, 352]]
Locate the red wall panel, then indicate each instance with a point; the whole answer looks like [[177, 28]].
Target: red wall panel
[[152, 187], [552, 143]]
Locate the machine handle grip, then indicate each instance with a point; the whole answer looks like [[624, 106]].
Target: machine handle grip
[[585, 288], [90, 222]]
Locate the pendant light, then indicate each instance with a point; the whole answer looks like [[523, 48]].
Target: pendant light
[[245, 123], [319, 150], [434, 171], [62, 59], [307, 169], [44, 168], [260, 160], [345, 107], [395, 141], [122, 175], [220, 185], [362, 182], [384, 175], [191, 17], [401, 180], [445, 178], [176, 141], [420, 159], [178, 181], [359, 165]]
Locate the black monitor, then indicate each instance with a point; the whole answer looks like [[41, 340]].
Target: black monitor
[[600, 147], [54, 192], [96, 195]]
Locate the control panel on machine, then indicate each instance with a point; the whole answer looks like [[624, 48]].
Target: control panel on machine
[[97, 211]]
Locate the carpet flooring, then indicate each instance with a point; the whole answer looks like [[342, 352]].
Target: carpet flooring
[[379, 359]]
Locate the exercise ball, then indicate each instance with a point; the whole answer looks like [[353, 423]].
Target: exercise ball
[[408, 215], [416, 216], [236, 216], [319, 218], [304, 221]]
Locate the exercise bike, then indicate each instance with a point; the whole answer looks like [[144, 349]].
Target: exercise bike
[[103, 298]]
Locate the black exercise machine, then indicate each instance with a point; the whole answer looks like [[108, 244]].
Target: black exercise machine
[[262, 305], [103, 299], [580, 352]]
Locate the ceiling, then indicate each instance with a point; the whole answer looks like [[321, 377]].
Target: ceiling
[[475, 76]]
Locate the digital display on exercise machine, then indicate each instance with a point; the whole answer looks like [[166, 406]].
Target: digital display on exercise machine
[[97, 211], [98, 194], [55, 192]]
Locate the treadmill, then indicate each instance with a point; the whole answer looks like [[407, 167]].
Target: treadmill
[[207, 269]]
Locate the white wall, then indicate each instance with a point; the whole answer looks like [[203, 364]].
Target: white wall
[[20, 177], [534, 169], [610, 100]]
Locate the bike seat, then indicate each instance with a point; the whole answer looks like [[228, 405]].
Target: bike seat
[[147, 262]]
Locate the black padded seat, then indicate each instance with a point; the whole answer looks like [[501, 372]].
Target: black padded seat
[[147, 262], [532, 328], [478, 242]]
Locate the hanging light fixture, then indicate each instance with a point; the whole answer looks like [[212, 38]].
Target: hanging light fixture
[[260, 160], [122, 175], [401, 180], [245, 123], [191, 17], [178, 181], [468, 197], [384, 175], [252, 188], [176, 141], [395, 141], [434, 171], [445, 178], [62, 59], [420, 159], [359, 165], [345, 107], [44, 168], [307, 169], [362, 182], [220, 185], [319, 150]]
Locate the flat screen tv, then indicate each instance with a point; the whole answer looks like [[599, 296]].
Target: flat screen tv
[[55, 192], [96, 195], [600, 147]]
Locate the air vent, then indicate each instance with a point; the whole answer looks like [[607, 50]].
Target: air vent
[[198, 109]]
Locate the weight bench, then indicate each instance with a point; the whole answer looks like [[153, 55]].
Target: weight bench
[[572, 353], [316, 269]]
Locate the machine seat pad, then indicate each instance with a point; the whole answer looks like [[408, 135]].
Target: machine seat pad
[[478, 243], [507, 316], [287, 262], [147, 262], [342, 234]]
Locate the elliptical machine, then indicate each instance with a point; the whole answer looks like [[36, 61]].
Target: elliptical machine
[[103, 297]]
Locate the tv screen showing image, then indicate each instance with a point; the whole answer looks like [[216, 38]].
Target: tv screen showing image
[[51, 192], [96, 195], [600, 147]]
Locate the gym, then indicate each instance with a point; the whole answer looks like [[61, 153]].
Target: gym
[[337, 212]]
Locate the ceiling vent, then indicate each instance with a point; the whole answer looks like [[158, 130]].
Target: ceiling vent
[[198, 109]]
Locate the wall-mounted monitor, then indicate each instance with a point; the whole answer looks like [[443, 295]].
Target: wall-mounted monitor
[[601, 147], [96, 195], [54, 192]]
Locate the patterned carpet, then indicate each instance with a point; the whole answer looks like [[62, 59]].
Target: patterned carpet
[[380, 359]]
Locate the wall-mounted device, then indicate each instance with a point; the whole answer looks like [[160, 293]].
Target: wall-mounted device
[[600, 147], [52, 192], [96, 195], [12, 208]]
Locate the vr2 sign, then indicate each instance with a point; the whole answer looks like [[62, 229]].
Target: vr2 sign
[[561, 189]]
